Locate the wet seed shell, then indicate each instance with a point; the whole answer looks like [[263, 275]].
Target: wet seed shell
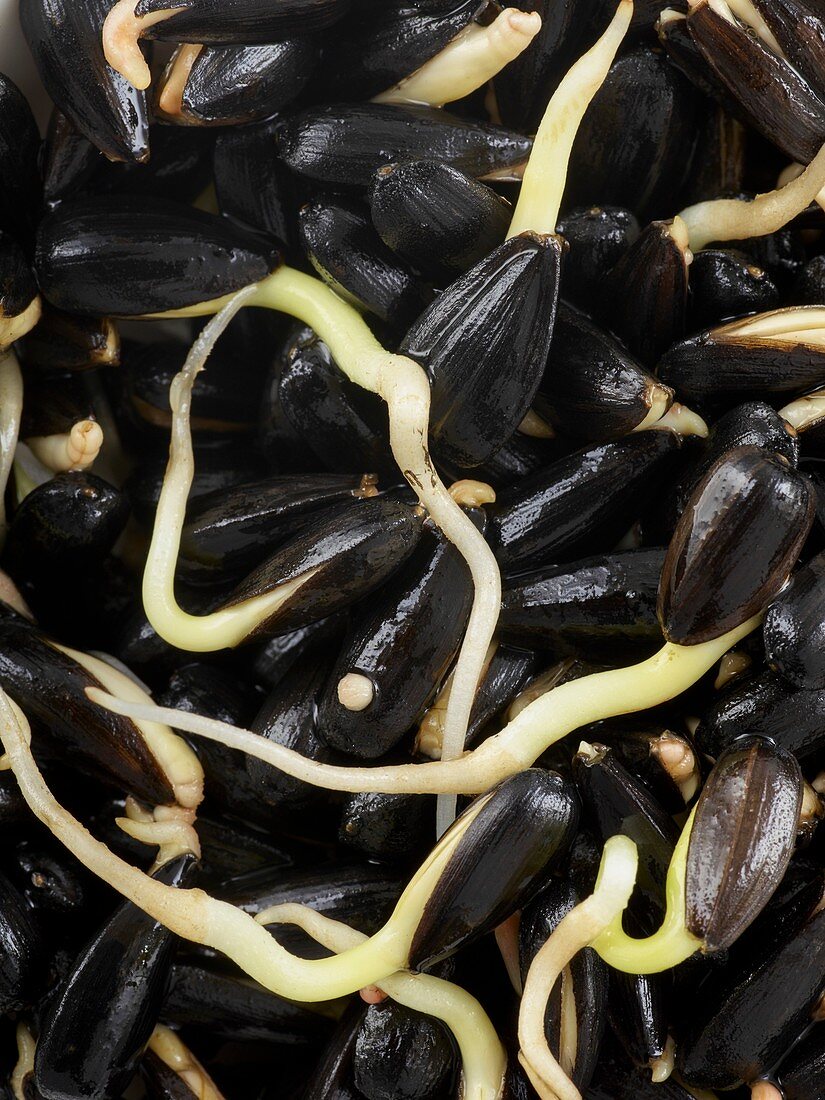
[[18, 288], [180, 167], [606, 598], [21, 951], [802, 1072], [400, 647], [592, 388], [69, 159], [251, 183], [742, 839], [436, 218], [776, 100], [483, 343], [131, 256], [502, 859], [66, 41], [343, 246], [115, 989], [644, 297], [800, 31], [737, 541], [794, 628], [237, 85], [583, 501], [388, 827], [347, 143], [244, 22], [597, 237], [403, 1054], [657, 112], [725, 283], [61, 341]]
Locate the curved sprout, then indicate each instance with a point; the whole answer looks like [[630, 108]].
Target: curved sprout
[[196, 916], [168, 1047], [671, 943], [173, 85], [735, 219], [541, 724], [579, 928], [122, 30], [15, 328], [539, 200], [484, 1061], [75, 449], [473, 57]]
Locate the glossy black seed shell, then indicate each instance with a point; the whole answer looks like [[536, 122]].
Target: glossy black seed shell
[[644, 296], [103, 1015], [656, 110], [725, 283], [436, 218], [794, 628], [379, 47], [737, 541], [349, 554], [484, 343], [592, 388], [346, 144], [66, 41], [403, 643], [742, 1032], [776, 100], [179, 168], [584, 501], [802, 1072], [212, 997], [742, 839], [251, 183], [68, 523], [19, 177], [237, 85], [69, 159], [21, 950], [388, 827], [499, 862], [538, 921], [509, 671], [596, 236], [800, 30], [721, 364], [343, 246], [230, 531], [243, 22], [610, 597], [130, 256], [49, 686], [18, 288], [61, 341], [403, 1054]]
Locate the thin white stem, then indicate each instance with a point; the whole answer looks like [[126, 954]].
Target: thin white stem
[[15, 328], [11, 407], [24, 1066], [474, 56], [538, 726], [483, 1058], [579, 928], [545, 176], [735, 219]]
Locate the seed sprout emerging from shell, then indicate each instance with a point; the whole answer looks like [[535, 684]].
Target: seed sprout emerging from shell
[[11, 408], [482, 1055]]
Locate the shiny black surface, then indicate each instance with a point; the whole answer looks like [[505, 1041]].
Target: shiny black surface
[[18, 288], [345, 249], [726, 283], [61, 341], [139, 255], [251, 184], [742, 839], [794, 628], [483, 343], [403, 1054], [21, 950], [609, 598], [390, 827], [65, 38], [803, 1071], [502, 859], [592, 388], [596, 237], [244, 22], [737, 541], [436, 218], [347, 143], [237, 85], [69, 158], [20, 189], [403, 642], [584, 501], [103, 1015]]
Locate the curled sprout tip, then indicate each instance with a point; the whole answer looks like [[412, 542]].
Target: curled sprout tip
[[122, 30]]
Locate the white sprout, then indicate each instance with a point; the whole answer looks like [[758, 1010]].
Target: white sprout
[[15, 328], [11, 407], [75, 449], [735, 219], [483, 1058], [538, 726], [578, 929], [541, 192], [122, 30], [170, 97], [473, 57]]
